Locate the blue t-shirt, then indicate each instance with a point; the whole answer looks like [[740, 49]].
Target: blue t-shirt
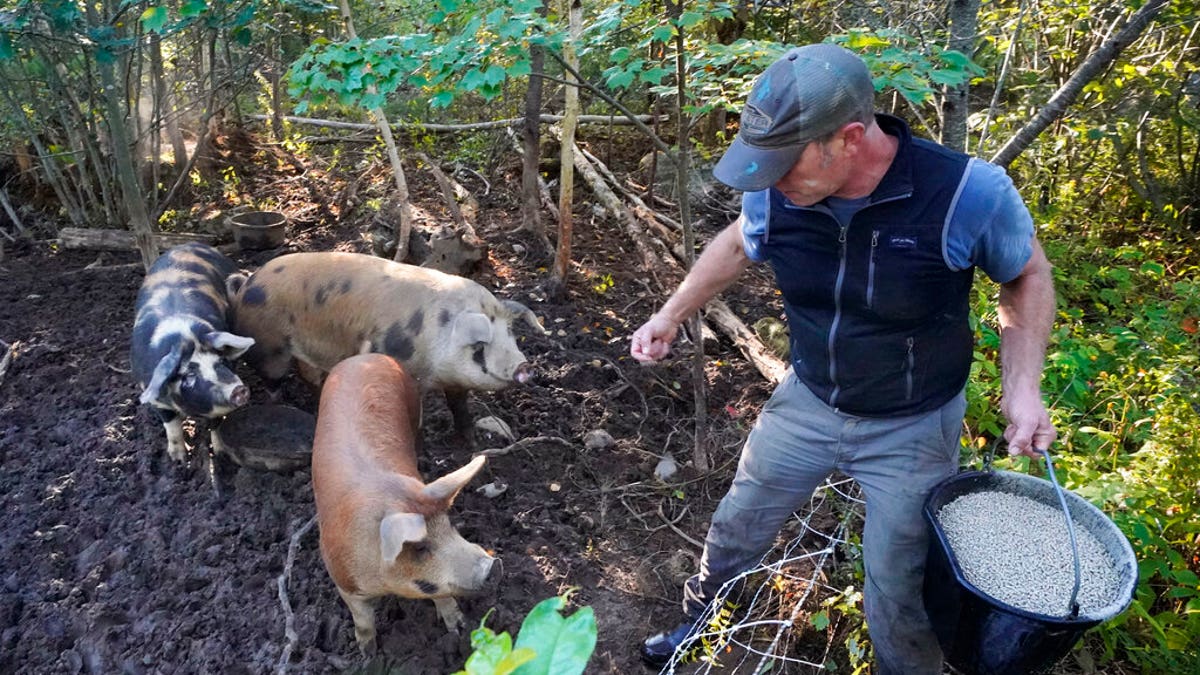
[[988, 227]]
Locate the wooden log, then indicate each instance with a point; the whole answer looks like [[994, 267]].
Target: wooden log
[[746, 341], [472, 126], [123, 240]]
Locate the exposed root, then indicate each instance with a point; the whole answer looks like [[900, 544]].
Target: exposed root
[[289, 628]]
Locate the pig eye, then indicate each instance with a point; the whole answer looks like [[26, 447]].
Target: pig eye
[[419, 549], [189, 379]]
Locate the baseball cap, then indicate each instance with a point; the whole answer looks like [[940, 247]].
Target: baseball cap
[[806, 95]]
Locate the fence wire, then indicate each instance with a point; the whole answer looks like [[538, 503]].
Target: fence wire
[[742, 630]]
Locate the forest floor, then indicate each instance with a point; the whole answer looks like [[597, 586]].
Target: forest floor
[[116, 559]]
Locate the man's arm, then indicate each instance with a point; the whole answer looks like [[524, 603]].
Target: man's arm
[[722, 261], [1026, 315]]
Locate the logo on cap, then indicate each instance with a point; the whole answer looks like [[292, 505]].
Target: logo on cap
[[755, 121]]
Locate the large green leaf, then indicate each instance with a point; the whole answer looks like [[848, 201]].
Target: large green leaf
[[154, 18], [563, 646]]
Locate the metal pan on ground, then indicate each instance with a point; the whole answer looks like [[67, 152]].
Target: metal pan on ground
[[258, 230], [267, 438]]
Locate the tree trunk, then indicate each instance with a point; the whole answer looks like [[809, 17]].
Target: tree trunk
[[964, 22], [682, 164], [531, 130], [385, 131], [566, 181], [1093, 66]]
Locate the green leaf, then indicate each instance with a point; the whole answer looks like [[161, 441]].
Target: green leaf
[[6, 48], [154, 18], [192, 8], [563, 646], [662, 33], [619, 54], [442, 99], [520, 68], [820, 620], [494, 75], [689, 19]]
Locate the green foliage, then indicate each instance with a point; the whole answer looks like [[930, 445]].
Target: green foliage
[[470, 48], [1121, 376], [547, 644]]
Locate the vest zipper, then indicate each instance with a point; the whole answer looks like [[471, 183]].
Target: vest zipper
[[910, 364], [837, 316], [871, 270]]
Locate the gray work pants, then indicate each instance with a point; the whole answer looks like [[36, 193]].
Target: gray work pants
[[796, 443]]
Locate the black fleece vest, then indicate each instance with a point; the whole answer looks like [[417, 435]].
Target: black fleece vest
[[878, 320]]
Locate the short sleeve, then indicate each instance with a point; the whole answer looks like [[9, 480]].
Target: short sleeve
[[756, 213], [989, 225]]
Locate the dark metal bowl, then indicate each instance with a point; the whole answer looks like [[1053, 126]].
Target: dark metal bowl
[[267, 437]]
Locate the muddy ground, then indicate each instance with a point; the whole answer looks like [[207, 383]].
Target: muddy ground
[[115, 559]]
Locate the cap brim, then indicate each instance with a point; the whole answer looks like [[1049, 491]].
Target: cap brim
[[749, 169]]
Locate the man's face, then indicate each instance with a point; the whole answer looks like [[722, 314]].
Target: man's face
[[819, 173]]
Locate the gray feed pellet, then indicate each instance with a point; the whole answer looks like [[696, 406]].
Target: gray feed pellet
[[1018, 551]]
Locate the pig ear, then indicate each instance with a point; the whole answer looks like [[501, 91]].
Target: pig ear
[[163, 372], [471, 327], [446, 488], [234, 283], [397, 529], [520, 311], [228, 345]]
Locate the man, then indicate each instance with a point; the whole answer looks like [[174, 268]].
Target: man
[[873, 236]]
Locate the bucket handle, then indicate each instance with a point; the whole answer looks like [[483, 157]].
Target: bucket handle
[[1062, 500], [1073, 606]]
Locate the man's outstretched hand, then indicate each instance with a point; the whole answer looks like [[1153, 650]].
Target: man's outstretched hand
[[652, 342]]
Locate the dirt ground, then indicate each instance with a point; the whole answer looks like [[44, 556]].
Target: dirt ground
[[115, 559]]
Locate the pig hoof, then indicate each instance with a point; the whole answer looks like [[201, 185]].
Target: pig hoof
[[177, 452], [366, 645]]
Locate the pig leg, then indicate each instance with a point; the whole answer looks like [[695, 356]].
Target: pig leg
[[456, 401], [173, 424], [364, 620], [451, 615]]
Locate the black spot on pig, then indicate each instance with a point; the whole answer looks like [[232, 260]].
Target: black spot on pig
[[324, 291], [196, 395], [397, 343], [205, 307], [347, 284], [444, 317], [426, 587], [416, 321], [255, 295], [195, 268], [279, 269], [478, 358], [165, 414], [226, 375]]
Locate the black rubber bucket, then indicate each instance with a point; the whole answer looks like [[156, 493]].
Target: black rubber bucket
[[981, 635]]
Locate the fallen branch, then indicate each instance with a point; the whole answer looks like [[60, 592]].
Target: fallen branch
[[746, 341], [675, 528], [474, 126], [289, 628], [123, 240], [524, 443], [5, 362], [12, 213]]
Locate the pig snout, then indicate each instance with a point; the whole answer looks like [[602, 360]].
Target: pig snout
[[240, 396], [523, 373]]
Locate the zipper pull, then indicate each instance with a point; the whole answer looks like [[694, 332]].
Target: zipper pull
[[842, 235], [874, 239]]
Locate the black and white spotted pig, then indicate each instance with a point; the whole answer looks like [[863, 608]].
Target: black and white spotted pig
[[181, 350], [449, 332]]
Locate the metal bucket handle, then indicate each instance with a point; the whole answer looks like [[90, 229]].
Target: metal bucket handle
[[1062, 500]]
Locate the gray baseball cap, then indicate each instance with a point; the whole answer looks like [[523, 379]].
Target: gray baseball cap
[[806, 95]]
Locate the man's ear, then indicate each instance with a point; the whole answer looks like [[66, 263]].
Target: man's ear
[[853, 133]]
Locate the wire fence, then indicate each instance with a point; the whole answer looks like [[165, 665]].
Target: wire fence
[[755, 618]]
